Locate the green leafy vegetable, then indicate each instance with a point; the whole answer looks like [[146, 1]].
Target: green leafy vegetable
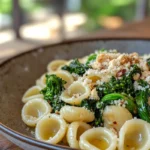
[[92, 106], [89, 104], [76, 67], [142, 100], [148, 62], [91, 58], [110, 98], [128, 96], [52, 91], [123, 85], [134, 69]]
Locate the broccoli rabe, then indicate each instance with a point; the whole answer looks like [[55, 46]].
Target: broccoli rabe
[[52, 91], [148, 62], [89, 104], [134, 69], [92, 57], [110, 98], [122, 85], [92, 106], [142, 96], [76, 67], [97, 106]]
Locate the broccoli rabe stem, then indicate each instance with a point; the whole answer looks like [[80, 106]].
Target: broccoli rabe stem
[[142, 104], [110, 98], [52, 91]]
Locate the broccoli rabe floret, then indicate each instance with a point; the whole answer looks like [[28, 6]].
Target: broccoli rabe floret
[[122, 85], [52, 91], [76, 67], [134, 69], [142, 95]]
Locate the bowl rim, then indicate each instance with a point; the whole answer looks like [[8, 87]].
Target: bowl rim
[[29, 140], [71, 41]]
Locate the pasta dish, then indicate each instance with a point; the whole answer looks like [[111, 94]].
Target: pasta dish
[[98, 102]]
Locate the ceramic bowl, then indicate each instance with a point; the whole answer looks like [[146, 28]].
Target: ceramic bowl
[[19, 73]]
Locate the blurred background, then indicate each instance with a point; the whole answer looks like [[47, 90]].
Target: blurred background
[[29, 23]]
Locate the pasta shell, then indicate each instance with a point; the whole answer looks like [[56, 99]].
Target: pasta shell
[[51, 129], [98, 139], [75, 93], [93, 77], [83, 60], [66, 76], [134, 134], [34, 110], [38, 82], [72, 113], [75, 130], [55, 65], [42, 81], [115, 116], [94, 94], [31, 93]]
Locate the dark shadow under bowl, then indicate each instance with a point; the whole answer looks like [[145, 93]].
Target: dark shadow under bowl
[[19, 73]]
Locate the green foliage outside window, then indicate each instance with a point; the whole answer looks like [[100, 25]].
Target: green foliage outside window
[[94, 9]]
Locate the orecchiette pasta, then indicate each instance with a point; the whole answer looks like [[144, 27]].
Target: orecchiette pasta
[[42, 81], [98, 139], [38, 83], [51, 128], [61, 74], [93, 77], [33, 92], [75, 130], [34, 110], [65, 76], [134, 134], [64, 140], [55, 65], [83, 59], [115, 116], [94, 94], [75, 93], [89, 103], [72, 113]]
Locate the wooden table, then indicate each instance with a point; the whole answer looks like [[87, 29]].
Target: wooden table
[[135, 30]]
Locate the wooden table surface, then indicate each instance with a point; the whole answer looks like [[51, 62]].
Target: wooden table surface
[[137, 30]]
